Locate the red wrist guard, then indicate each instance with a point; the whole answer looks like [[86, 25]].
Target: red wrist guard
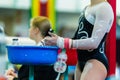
[[66, 43]]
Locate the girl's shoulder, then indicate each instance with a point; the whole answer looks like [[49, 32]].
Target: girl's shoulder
[[105, 6]]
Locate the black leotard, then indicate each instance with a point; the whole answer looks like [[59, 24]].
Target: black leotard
[[84, 31]]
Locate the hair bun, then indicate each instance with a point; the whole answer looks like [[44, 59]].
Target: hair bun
[[51, 30]]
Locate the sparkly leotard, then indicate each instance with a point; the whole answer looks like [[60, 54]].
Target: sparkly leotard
[[85, 31]]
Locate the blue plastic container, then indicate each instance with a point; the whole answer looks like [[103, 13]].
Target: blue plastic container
[[32, 55]]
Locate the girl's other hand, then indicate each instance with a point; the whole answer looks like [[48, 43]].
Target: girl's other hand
[[10, 74]]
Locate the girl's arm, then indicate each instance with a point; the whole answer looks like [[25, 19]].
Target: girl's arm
[[103, 23]]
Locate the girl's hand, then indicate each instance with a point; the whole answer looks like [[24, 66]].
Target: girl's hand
[[51, 40], [10, 74]]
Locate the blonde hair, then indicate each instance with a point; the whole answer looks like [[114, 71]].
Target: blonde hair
[[42, 23]]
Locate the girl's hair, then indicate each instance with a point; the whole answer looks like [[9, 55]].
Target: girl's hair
[[42, 23]]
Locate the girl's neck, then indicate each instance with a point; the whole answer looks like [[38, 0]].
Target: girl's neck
[[95, 2], [38, 39]]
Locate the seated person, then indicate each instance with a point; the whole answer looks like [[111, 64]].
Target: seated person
[[39, 28]]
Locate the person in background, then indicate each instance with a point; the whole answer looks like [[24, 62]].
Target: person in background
[[94, 24], [39, 28]]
